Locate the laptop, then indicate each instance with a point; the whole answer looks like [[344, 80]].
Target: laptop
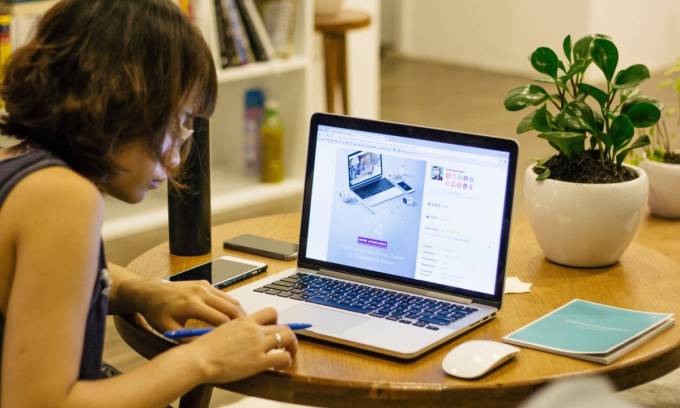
[[423, 269], [365, 175]]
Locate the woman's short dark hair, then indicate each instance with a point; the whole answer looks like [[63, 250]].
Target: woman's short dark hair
[[99, 74]]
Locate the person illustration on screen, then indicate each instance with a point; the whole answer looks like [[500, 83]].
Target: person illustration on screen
[[437, 173], [100, 101], [365, 165], [354, 169]]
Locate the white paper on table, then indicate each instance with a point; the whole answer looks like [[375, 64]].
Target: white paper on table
[[514, 285]]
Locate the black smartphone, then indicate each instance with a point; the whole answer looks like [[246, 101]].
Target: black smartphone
[[271, 248], [221, 272], [405, 187]]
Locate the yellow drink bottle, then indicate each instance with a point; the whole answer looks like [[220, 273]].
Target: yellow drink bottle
[[271, 133]]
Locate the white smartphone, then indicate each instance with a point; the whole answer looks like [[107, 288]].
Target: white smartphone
[[221, 272]]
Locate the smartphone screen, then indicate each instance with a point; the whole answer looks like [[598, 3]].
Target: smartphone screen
[[404, 186], [220, 272], [263, 246]]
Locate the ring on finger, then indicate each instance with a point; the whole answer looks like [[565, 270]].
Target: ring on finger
[[277, 336]]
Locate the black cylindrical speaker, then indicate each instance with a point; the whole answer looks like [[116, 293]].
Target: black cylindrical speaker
[[189, 205]]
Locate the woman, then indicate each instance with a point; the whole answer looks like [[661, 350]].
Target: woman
[[100, 101]]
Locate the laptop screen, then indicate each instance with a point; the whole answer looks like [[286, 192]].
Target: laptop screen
[[363, 166], [442, 230]]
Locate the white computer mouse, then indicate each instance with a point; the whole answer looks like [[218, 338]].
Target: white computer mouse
[[475, 358], [346, 196]]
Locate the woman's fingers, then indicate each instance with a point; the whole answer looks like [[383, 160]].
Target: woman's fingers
[[223, 305], [265, 316], [235, 306], [279, 359], [280, 337], [208, 314]]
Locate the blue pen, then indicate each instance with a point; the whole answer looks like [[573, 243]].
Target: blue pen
[[182, 333]]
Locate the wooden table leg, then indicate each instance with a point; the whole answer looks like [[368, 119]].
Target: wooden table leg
[[342, 70], [330, 48], [199, 397]]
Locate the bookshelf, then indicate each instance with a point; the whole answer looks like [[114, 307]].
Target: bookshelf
[[288, 81]]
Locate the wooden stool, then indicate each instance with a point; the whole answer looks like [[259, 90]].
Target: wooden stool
[[333, 28]]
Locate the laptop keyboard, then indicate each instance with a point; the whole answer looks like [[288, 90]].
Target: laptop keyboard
[[374, 188], [383, 303]]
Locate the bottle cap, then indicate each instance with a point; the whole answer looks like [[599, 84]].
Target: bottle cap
[[254, 98], [272, 105]]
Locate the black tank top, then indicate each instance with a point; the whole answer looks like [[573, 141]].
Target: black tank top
[[12, 171]]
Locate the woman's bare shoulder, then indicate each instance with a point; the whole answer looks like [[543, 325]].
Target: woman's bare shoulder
[[55, 191], [58, 181]]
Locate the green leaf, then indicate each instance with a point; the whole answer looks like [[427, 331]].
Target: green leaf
[[640, 99], [641, 141], [541, 120], [561, 66], [664, 84], [631, 76], [630, 93], [525, 124], [523, 96], [582, 48], [544, 175], [599, 121], [577, 68], [643, 114], [545, 61], [599, 95], [566, 46], [568, 143], [621, 131], [605, 55], [576, 116]]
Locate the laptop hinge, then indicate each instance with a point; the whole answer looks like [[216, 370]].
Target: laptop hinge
[[395, 286]]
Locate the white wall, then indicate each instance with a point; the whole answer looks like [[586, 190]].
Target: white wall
[[645, 32], [500, 35], [363, 65]]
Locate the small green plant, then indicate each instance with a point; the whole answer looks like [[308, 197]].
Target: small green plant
[[578, 112], [660, 148]]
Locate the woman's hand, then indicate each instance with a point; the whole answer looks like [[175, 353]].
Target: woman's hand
[[244, 347], [168, 305]]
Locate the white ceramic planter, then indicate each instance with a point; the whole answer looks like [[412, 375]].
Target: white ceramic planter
[[584, 225], [664, 188]]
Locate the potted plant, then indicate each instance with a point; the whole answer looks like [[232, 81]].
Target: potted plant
[[661, 162], [584, 203]]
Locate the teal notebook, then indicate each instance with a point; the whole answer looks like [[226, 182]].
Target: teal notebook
[[590, 331]]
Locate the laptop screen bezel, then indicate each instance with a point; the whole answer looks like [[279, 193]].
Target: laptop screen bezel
[[422, 133]]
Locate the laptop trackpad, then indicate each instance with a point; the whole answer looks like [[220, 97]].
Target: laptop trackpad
[[325, 321]]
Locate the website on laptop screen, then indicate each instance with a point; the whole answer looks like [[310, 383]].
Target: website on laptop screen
[[445, 225]]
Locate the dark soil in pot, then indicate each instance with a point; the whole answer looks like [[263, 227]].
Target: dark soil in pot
[[587, 168]]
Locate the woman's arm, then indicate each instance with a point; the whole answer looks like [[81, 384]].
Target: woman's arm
[[57, 217]]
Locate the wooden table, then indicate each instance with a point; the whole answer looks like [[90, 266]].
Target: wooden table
[[329, 375]]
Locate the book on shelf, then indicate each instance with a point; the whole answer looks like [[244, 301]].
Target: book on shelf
[[279, 19], [254, 39], [5, 45], [228, 56], [591, 331], [186, 6], [235, 24]]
